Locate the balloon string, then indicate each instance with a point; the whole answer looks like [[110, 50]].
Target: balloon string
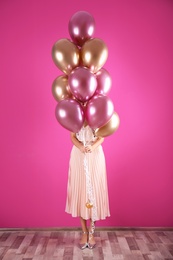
[[89, 189]]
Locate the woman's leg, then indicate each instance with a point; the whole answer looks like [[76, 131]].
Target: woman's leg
[[91, 239], [84, 237]]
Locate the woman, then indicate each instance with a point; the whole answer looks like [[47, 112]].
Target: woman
[[87, 147]]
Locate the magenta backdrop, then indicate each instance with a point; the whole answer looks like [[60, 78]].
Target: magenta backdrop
[[35, 149]]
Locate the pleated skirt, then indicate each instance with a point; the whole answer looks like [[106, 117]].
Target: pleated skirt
[[76, 187]]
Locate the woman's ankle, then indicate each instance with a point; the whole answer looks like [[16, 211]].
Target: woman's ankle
[[84, 238], [85, 231]]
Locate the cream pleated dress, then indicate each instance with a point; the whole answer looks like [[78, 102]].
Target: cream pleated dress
[[77, 195]]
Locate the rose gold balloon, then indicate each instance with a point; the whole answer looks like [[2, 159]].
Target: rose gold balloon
[[81, 27], [94, 54], [82, 83], [104, 82], [99, 110], [60, 88], [65, 55], [110, 127], [70, 115]]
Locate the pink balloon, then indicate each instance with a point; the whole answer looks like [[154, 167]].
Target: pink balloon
[[81, 27], [99, 110], [104, 82], [70, 115], [82, 83]]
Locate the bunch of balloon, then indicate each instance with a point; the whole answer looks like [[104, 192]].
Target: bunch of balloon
[[81, 92]]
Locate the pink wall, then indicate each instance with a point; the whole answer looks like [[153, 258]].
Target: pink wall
[[34, 148]]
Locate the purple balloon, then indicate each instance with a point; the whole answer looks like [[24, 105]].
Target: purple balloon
[[104, 82], [99, 111], [81, 27], [70, 115], [82, 83]]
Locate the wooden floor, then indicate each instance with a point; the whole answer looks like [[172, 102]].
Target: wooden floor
[[63, 245]]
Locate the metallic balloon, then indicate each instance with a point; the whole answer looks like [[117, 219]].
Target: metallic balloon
[[94, 54], [110, 127], [69, 114], [82, 83], [104, 82], [81, 27], [65, 55], [99, 110], [60, 88]]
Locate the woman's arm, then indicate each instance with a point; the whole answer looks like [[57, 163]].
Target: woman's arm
[[77, 143], [88, 148]]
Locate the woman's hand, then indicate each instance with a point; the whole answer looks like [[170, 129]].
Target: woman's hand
[[82, 148], [89, 149]]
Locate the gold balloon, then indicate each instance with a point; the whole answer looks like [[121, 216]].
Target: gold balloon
[[94, 54], [60, 88], [65, 55], [110, 127]]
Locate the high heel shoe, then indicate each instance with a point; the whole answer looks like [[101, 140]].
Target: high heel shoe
[[91, 245], [83, 245]]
